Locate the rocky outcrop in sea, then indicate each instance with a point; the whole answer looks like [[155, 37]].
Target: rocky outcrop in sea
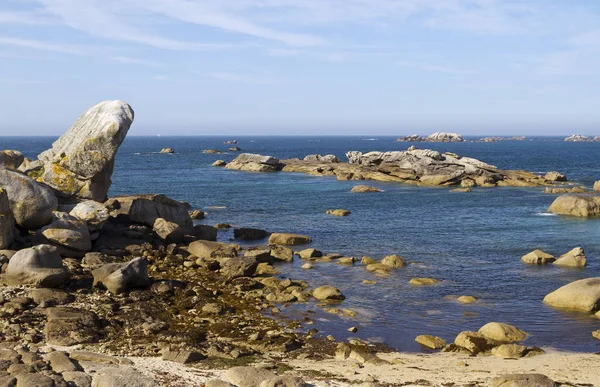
[[435, 137]]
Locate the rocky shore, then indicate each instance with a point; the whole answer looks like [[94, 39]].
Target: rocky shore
[[127, 291]]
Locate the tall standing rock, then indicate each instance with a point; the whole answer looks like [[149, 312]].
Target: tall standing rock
[[80, 163]]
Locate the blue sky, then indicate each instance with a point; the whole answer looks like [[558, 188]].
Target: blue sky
[[393, 67]]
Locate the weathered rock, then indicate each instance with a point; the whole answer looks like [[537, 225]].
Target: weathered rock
[[249, 234], [219, 163], [7, 221], [50, 297], [78, 379], [328, 293], [583, 295], [322, 159], [248, 376], [473, 342], [167, 150], [509, 351], [60, 362], [239, 267], [466, 299], [71, 326], [364, 189], [182, 356], [145, 209], [68, 231], [31, 203], [309, 253], [574, 258], [578, 138], [122, 377], [204, 232], [537, 257], [522, 380], [11, 159], [94, 214], [254, 163], [80, 163], [282, 253], [37, 266], [169, 232], [393, 261], [597, 186], [121, 277], [502, 333], [338, 212], [34, 380], [435, 137], [423, 281], [284, 381], [596, 334], [288, 239], [576, 205], [197, 214], [555, 176], [212, 250], [431, 342]]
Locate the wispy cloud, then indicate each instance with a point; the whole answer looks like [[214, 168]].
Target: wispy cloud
[[40, 45], [438, 68], [136, 61], [22, 18]]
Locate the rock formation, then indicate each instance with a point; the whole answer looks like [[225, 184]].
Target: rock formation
[[254, 163], [435, 137], [576, 205]]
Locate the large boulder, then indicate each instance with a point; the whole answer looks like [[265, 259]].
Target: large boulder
[[31, 203], [71, 326], [94, 214], [80, 163], [522, 380], [254, 163], [288, 239], [122, 377], [473, 342], [7, 221], [11, 159], [322, 159], [537, 257], [444, 137], [248, 376], [249, 234], [502, 333], [145, 209], [576, 205], [574, 258], [68, 231], [328, 292], [555, 176], [212, 250], [121, 277], [37, 266], [583, 295]]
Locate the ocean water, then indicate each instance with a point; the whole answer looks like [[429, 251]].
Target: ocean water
[[471, 242]]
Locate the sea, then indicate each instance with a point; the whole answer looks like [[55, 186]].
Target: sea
[[471, 242]]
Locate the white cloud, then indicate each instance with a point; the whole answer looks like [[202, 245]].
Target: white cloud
[[40, 45], [136, 61]]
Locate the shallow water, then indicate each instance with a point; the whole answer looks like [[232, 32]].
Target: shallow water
[[472, 242]]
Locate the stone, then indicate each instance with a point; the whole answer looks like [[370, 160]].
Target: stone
[[596, 334], [92, 357], [393, 261], [71, 326], [77, 379], [284, 381], [537, 257], [262, 255], [307, 266], [145, 209], [212, 308], [8, 381], [576, 205], [212, 250], [367, 261], [182, 356], [378, 267], [197, 214], [80, 163], [11, 159], [239, 267], [37, 266], [248, 376], [34, 380], [423, 281], [582, 295], [218, 383], [555, 176], [7, 221], [473, 342], [68, 231], [431, 342], [219, 163], [309, 253], [338, 212], [204, 232], [167, 150], [444, 137], [281, 253], [596, 186], [328, 293], [522, 380], [50, 297], [94, 214], [249, 234], [169, 232], [322, 159], [502, 333], [254, 163], [30, 202], [60, 362], [574, 258], [509, 351], [463, 190], [288, 239], [466, 299], [365, 189], [122, 277], [122, 377]]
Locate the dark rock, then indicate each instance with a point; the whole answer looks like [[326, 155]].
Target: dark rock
[[249, 234], [71, 326]]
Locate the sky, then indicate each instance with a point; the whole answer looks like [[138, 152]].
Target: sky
[[331, 67]]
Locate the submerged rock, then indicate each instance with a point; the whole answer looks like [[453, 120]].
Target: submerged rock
[[37, 266], [576, 205], [423, 281], [583, 295], [364, 189], [167, 150], [249, 234], [254, 163], [288, 239], [537, 257], [80, 163], [338, 212], [574, 258]]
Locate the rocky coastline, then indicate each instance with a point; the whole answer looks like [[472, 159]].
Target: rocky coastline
[[127, 291]]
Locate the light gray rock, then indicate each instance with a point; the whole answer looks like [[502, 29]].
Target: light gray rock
[[254, 163], [522, 380], [11, 159], [68, 231], [574, 258], [31, 168], [284, 381], [121, 277], [169, 232], [537, 257], [122, 377], [145, 209], [444, 137], [577, 138], [31, 203], [582, 295], [248, 376], [77, 379], [80, 163], [7, 221], [94, 214], [60, 362], [37, 266], [322, 159]]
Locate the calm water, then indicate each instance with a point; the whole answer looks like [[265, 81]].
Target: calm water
[[472, 242]]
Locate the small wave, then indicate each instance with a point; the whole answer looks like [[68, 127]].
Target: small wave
[[137, 153], [544, 214], [216, 207], [370, 139]]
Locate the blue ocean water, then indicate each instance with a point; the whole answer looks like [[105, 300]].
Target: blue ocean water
[[472, 242]]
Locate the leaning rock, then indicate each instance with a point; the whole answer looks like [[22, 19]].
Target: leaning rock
[[537, 257], [7, 222], [288, 239], [473, 342], [11, 159], [80, 163], [254, 163], [121, 277], [37, 266], [502, 333], [328, 293], [522, 380], [248, 376], [431, 342], [364, 188], [309, 253], [122, 377], [71, 326], [555, 176], [94, 214], [168, 231], [145, 209], [31, 203], [68, 231], [510, 351], [574, 258], [583, 295], [576, 205]]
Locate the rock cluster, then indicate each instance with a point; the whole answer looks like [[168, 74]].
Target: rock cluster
[[254, 163], [435, 137], [581, 138]]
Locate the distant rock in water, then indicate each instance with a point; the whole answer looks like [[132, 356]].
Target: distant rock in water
[[167, 150], [499, 138], [364, 188], [254, 163], [219, 163], [211, 151], [80, 163], [576, 205], [435, 137], [230, 142], [234, 149], [580, 138], [322, 159]]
